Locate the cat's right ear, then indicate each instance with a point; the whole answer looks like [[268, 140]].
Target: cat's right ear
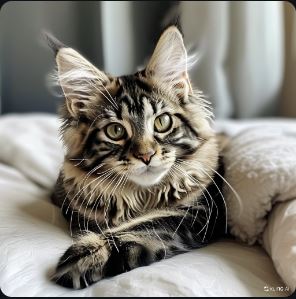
[[169, 63], [82, 83]]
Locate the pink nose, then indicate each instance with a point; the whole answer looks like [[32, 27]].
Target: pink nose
[[146, 158]]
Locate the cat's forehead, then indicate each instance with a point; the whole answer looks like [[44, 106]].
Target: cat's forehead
[[137, 97], [135, 83], [133, 89]]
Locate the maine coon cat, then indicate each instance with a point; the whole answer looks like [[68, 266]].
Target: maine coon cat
[[140, 180]]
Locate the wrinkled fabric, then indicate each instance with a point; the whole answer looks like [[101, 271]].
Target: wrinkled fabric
[[261, 167], [33, 233]]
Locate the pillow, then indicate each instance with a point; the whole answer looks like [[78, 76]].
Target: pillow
[[261, 168]]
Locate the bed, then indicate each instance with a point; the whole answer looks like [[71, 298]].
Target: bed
[[33, 233]]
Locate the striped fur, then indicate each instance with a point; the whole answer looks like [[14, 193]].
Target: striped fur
[[124, 211]]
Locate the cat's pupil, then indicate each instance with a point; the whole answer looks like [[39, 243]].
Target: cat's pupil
[[115, 131], [162, 123]]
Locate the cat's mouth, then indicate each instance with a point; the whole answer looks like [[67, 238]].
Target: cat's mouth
[[148, 175], [147, 169]]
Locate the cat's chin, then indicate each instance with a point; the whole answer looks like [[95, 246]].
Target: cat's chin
[[149, 177]]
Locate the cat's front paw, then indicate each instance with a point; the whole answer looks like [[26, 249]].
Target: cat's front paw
[[83, 263], [94, 257]]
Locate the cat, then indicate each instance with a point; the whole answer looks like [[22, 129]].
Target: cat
[[141, 179]]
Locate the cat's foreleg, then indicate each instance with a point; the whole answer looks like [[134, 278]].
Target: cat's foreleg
[[139, 242]]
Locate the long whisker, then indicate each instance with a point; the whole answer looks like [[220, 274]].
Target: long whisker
[[228, 184], [210, 208], [125, 181], [113, 191], [96, 205], [111, 182], [201, 189], [71, 218], [102, 175], [81, 160], [103, 178], [111, 97], [224, 201], [111, 100], [92, 191], [93, 123], [183, 216], [84, 179], [81, 192]]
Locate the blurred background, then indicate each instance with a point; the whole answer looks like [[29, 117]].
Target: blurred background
[[247, 50]]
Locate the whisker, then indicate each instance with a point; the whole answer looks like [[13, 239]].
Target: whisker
[[103, 179], [93, 123], [227, 183], [107, 225], [210, 209], [224, 201], [182, 217], [111, 100], [71, 218], [81, 192], [81, 160], [92, 191], [84, 179]]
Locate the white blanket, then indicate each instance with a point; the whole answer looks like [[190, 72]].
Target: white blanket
[[33, 233], [261, 167]]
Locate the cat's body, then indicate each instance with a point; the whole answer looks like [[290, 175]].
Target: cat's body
[[139, 181]]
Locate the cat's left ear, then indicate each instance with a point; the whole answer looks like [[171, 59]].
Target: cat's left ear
[[168, 63], [82, 83]]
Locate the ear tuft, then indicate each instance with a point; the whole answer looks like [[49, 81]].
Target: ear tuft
[[82, 83], [53, 42]]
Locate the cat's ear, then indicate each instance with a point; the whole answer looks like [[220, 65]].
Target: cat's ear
[[168, 63], [82, 83]]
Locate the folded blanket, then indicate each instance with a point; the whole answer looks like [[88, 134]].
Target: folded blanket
[[261, 168]]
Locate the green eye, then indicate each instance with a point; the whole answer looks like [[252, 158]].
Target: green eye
[[163, 123], [115, 131]]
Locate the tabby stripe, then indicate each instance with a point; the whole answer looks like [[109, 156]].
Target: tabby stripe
[[126, 100], [187, 123], [90, 140], [125, 149], [97, 161], [187, 149], [173, 133], [139, 107], [153, 105], [119, 92], [118, 112]]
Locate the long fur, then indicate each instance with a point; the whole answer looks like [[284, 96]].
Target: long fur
[[123, 218]]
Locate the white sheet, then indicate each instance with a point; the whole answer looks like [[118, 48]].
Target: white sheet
[[33, 234]]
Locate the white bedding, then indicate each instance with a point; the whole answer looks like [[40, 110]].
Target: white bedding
[[260, 164], [33, 234]]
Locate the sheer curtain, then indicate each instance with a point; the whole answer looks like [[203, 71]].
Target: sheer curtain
[[116, 36], [241, 47], [244, 64], [288, 99], [246, 49]]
